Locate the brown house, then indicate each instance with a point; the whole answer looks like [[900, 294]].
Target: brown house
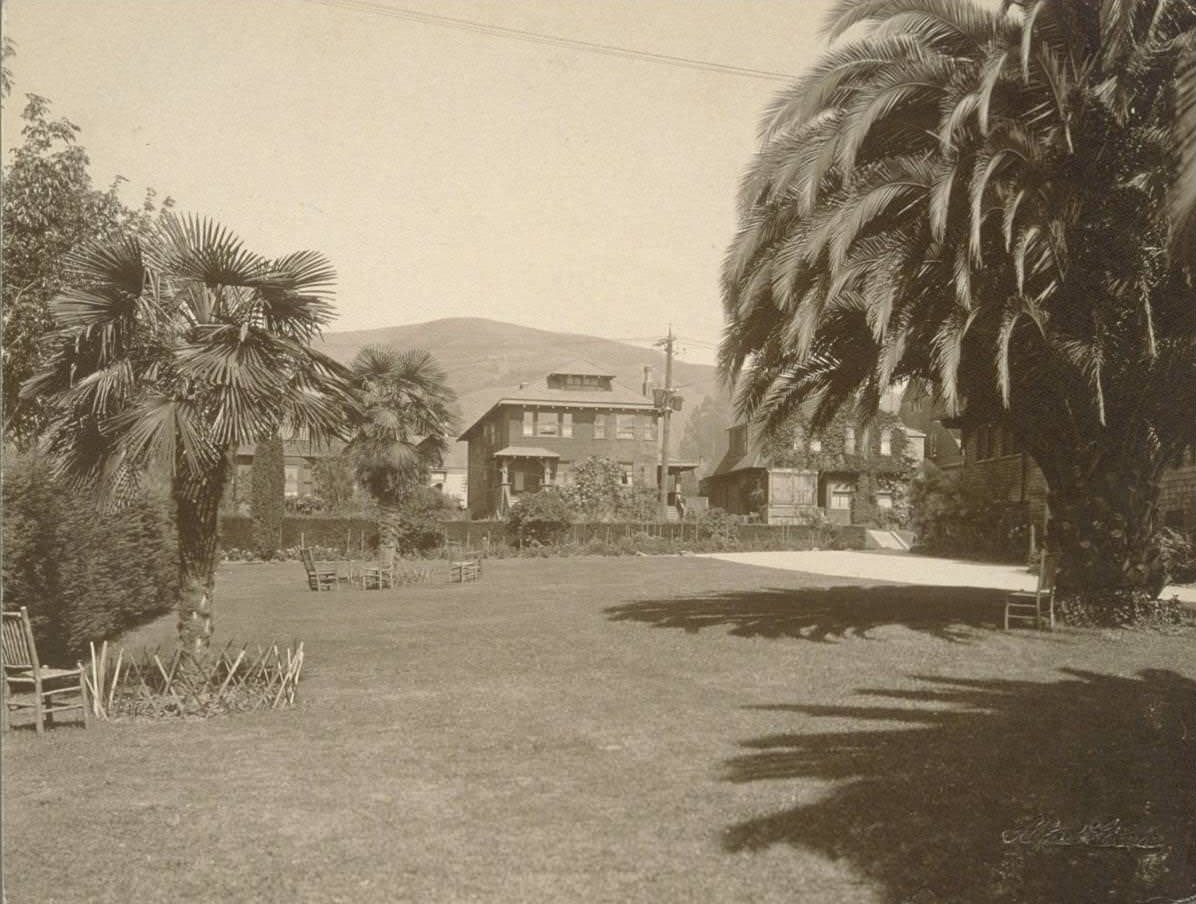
[[533, 436], [849, 473], [992, 461]]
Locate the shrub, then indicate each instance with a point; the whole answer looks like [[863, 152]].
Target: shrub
[[1179, 555], [83, 573], [952, 517], [267, 503], [541, 517], [415, 524]]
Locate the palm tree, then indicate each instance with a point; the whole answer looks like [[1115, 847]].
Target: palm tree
[[407, 414], [996, 204], [179, 346]]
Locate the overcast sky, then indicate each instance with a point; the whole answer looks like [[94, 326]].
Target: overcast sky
[[445, 172]]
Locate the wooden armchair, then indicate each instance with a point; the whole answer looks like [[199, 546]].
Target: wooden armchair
[[377, 575], [1039, 606], [23, 672], [465, 565], [320, 575]]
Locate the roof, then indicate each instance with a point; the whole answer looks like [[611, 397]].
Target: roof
[[525, 452], [617, 396], [731, 463], [579, 367]]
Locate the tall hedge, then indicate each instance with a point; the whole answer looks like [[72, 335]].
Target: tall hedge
[[267, 502], [84, 573]]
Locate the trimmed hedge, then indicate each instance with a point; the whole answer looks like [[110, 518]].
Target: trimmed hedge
[[236, 532], [83, 573]]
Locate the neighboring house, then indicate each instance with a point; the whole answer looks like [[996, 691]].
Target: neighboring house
[[300, 455], [534, 435], [992, 461], [451, 477], [848, 472]]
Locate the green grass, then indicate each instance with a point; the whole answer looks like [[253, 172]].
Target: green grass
[[648, 729]]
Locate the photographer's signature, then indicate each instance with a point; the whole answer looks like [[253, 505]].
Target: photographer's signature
[[1046, 832]]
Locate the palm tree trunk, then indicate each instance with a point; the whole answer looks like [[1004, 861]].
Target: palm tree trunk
[[389, 516], [1102, 509], [198, 509]]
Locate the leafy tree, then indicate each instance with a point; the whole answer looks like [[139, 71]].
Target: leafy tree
[[407, 415], [178, 345], [417, 527], [267, 504], [705, 436], [334, 484], [996, 205], [50, 208]]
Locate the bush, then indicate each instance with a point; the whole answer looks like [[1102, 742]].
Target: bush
[[415, 526], [541, 517], [83, 574], [1179, 555], [951, 517]]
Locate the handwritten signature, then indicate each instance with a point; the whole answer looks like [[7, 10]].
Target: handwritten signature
[[1045, 832]]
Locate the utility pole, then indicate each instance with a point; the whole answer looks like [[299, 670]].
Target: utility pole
[[666, 411]]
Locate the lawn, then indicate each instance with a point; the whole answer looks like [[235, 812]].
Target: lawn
[[645, 729]]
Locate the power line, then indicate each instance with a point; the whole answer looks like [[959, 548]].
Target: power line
[[533, 37]]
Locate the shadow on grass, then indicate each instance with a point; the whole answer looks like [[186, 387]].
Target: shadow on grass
[[1078, 790], [823, 614]]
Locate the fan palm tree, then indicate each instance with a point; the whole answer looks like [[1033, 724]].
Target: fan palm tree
[[407, 415], [996, 204], [179, 346]]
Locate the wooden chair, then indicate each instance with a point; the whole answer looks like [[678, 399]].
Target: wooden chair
[[465, 565], [380, 574], [320, 575], [1037, 606], [22, 670]]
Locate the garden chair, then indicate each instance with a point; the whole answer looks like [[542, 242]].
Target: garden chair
[[1037, 606], [465, 565], [22, 670], [380, 574], [320, 575]]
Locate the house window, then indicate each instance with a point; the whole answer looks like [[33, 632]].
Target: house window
[[488, 432], [650, 428], [291, 473], [841, 500], [567, 424], [886, 442], [815, 445], [548, 423], [884, 500], [626, 475], [849, 440], [624, 426], [600, 426], [529, 423]]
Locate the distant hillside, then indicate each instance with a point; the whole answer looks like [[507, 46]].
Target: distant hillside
[[483, 357]]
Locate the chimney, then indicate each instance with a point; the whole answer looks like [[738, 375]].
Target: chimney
[[647, 387]]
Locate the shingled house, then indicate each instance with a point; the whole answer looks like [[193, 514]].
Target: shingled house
[[848, 472], [534, 434]]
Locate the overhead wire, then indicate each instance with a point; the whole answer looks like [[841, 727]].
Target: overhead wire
[[519, 34]]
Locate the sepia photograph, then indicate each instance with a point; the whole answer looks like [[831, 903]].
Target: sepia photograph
[[598, 451]]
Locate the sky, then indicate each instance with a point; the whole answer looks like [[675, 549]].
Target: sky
[[445, 172]]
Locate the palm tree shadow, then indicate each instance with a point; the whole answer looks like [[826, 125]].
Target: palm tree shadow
[[1083, 789], [826, 613]]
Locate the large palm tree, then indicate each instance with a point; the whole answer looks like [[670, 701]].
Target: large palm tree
[[997, 204], [407, 415], [179, 346]]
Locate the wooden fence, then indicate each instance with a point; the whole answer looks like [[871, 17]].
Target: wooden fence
[[153, 684]]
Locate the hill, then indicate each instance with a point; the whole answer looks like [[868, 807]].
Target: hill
[[484, 357]]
